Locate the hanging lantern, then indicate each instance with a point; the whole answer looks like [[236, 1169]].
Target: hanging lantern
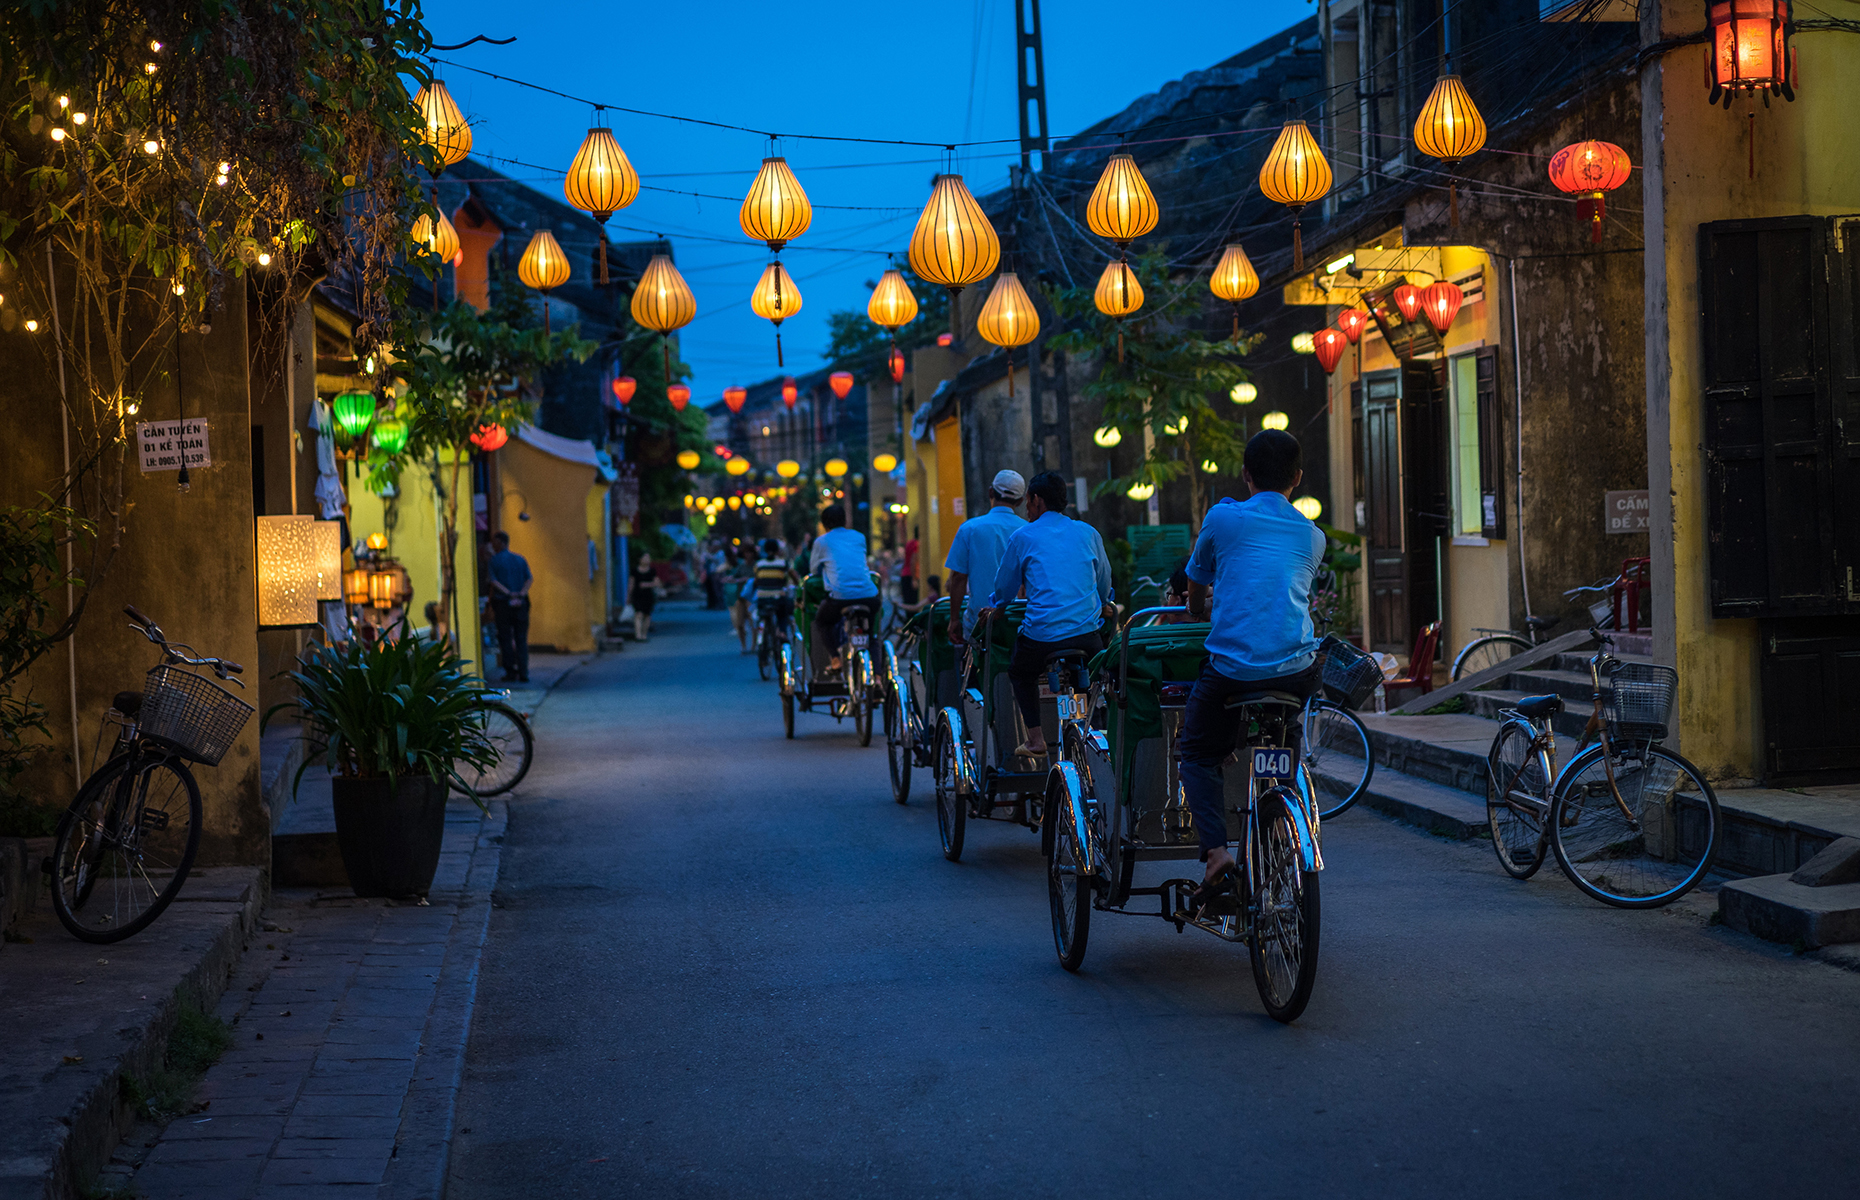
[[775, 299], [1590, 169], [543, 267], [663, 302], [1234, 280], [1302, 343], [953, 244], [352, 412], [1108, 436], [355, 586], [624, 387], [1009, 319], [1328, 345], [1449, 129], [439, 239], [1210, 467], [1122, 208], [735, 396], [841, 382], [885, 464], [1441, 302], [1352, 321], [679, 394], [442, 125], [326, 539], [892, 305], [1274, 420], [776, 210], [688, 459], [895, 361], [1750, 49], [1177, 427], [1408, 299], [288, 583], [1117, 296], [1141, 491], [787, 468], [737, 466], [381, 588], [835, 467], [789, 392], [601, 182], [490, 437], [376, 541], [391, 435], [1243, 393], [1295, 174], [1309, 506]]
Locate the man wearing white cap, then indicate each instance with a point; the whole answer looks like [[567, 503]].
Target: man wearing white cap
[[976, 550]]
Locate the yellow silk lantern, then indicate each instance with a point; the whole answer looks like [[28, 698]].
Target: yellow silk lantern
[[438, 239], [953, 244], [688, 459], [443, 126], [1274, 420], [543, 267], [737, 466], [1122, 208], [775, 299], [1295, 174], [1008, 318], [776, 210], [885, 464], [1450, 129], [787, 468], [1234, 280], [892, 305], [663, 302], [601, 181], [1117, 296]]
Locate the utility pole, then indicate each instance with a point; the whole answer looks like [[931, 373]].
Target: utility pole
[[1030, 68]]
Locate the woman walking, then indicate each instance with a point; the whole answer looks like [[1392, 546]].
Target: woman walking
[[645, 595]]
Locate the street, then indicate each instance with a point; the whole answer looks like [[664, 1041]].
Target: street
[[725, 964]]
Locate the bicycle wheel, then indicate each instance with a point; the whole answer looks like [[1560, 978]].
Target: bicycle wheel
[[1337, 755], [952, 811], [897, 754], [1644, 842], [510, 733], [125, 846], [1284, 942], [1068, 888], [787, 715], [765, 651], [1517, 778], [1481, 654], [859, 687]]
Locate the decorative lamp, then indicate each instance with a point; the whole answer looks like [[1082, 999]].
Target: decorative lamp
[[1177, 427], [787, 468], [735, 397], [1274, 420], [790, 393], [776, 210], [680, 395], [885, 464], [352, 412], [1408, 299], [1234, 280], [381, 589], [376, 541], [490, 437], [663, 302], [1328, 345], [1450, 129], [543, 267], [1122, 208], [1008, 318], [1750, 49], [688, 459], [624, 387], [1303, 343], [288, 584], [1441, 302], [895, 361], [438, 239], [775, 299], [443, 126], [326, 539], [355, 586], [737, 466], [834, 467], [1210, 467], [1141, 491], [735, 502], [841, 382], [892, 305], [1295, 174], [391, 435], [1243, 393], [1309, 506], [1108, 436], [953, 244], [1589, 169], [1352, 321], [1117, 296], [945, 339], [601, 182]]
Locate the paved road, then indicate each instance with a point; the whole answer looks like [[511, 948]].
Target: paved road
[[727, 965]]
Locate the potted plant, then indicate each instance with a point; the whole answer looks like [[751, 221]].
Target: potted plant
[[391, 719]]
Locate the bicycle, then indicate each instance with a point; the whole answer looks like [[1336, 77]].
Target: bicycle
[[1333, 742], [510, 732], [771, 632], [1497, 645], [1631, 823], [125, 846]]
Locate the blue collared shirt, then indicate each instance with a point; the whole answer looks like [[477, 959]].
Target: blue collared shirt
[[511, 570], [1062, 564], [976, 551], [1259, 557], [841, 552]]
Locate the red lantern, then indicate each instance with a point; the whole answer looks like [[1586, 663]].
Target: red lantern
[[1590, 169], [734, 397], [679, 395], [789, 392], [1351, 321], [624, 387], [1328, 344], [1441, 302], [490, 437], [896, 363], [1749, 49], [945, 339], [841, 382], [1408, 299]]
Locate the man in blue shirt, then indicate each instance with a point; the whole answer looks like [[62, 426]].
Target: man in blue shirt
[[975, 552], [839, 558], [509, 578], [1066, 574], [1257, 558]]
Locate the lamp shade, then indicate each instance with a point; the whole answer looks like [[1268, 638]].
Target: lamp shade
[[382, 588], [490, 437], [789, 392], [624, 387], [892, 305], [1118, 293], [679, 394], [895, 361], [1310, 506], [1177, 427], [1407, 298], [776, 210], [1141, 491], [437, 238], [841, 382], [1590, 169], [1303, 343], [353, 412], [688, 459], [1122, 208], [953, 244], [737, 466], [1441, 302], [1274, 420], [1328, 344], [775, 297], [885, 464], [835, 467], [1449, 127], [391, 434], [1749, 48], [288, 582], [1352, 321], [1008, 318], [326, 538], [1234, 278], [600, 181], [735, 397], [787, 468], [543, 265], [1108, 436], [355, 586], [376, 541], [1296, 172], [1243, 393], [663, 301], [442, 125]]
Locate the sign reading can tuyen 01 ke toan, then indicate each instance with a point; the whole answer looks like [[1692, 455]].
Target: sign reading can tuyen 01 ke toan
[[1625, 512], [161, 445]]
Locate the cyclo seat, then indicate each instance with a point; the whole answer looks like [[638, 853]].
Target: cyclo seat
[[1061, 662], [1541, 622], [127, 703], [1536, 708], [1059, 656], [1266, 697], [1176, 693]]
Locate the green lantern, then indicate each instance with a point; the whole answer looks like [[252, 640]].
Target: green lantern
[[353, 411], [391, 435]]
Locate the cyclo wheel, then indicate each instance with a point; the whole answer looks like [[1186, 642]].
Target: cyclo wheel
[[1284, 942], [897, 754], [1068, 888], [859, 686], [1652, 853], [1484, 653], [125, 846], [765, 650], [787, 714], [1337, 755], [515, 743], [952, 810], [1515, 780]]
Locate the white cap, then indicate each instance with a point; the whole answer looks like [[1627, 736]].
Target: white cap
[[1009, 484]]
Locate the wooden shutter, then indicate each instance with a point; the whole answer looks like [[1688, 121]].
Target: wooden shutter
[[1491, 447]]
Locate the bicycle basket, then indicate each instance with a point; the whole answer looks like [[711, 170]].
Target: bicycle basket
[[191, 715], [1350, 675], [1640, 702]]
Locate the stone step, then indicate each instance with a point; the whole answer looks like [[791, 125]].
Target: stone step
[[1447, 749], [1490, 704], [1575, 687], [1778, 909], [1443, 810]]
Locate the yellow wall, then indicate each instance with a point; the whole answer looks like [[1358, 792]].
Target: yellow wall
[[597, 527], [414, 541], [949, 493], [554, 492], [1697, 170]]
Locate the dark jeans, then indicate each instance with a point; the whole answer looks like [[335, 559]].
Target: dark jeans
[[513, 638], [1029, 664], [826, 625], [1208, 731]]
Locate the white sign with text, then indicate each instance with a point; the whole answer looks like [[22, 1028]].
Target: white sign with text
[[164, 445], [1626, 512]]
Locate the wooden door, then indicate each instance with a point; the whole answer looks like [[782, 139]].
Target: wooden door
[[1383, 535], [1426, 492]]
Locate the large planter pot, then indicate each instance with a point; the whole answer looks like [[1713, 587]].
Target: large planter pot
[[390, 836]]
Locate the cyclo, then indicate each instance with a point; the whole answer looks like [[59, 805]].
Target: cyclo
[[857, 689], [1115, 799], [922, 674]]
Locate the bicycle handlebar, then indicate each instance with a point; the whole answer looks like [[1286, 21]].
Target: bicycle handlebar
[[173, 651]]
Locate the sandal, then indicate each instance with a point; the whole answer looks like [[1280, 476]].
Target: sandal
[[1212, 892], [1025, 751]]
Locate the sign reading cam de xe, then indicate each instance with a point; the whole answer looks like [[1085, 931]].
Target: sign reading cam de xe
[[1625, 512], [162, 444]]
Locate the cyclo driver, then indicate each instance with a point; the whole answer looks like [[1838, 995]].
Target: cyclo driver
[[839, 558], [772, 577], [1257, 558]]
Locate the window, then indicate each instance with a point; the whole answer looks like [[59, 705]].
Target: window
[[1478, 454]]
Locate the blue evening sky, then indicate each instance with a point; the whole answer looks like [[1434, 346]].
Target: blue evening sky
[[921, 72]]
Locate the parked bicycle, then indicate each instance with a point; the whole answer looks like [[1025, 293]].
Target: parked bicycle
[[1631, 823], [509, 731], [1333, 742], [125, 846], [1495, 646]]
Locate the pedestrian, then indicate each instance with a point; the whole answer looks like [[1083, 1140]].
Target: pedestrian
[[738, 586], [907, 578], [839, 558], [714, 570], [975, 551], [645, 595], [510, 580]]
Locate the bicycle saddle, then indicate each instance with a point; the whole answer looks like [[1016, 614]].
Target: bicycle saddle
[[1246, 698], [1177, 693], [1537, 708], [127, 703], [1541, 622]]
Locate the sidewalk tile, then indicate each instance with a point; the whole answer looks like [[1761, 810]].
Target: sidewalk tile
[[304, 1126], [285, 1171], [230, 1127], [349, 1106]]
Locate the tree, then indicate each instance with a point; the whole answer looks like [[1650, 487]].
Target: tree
[[1168, 382]]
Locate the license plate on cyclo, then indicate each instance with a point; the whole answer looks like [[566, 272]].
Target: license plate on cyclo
[[1272, 762], [859, 640]]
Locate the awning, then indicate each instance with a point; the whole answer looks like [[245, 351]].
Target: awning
[[569, 450]]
